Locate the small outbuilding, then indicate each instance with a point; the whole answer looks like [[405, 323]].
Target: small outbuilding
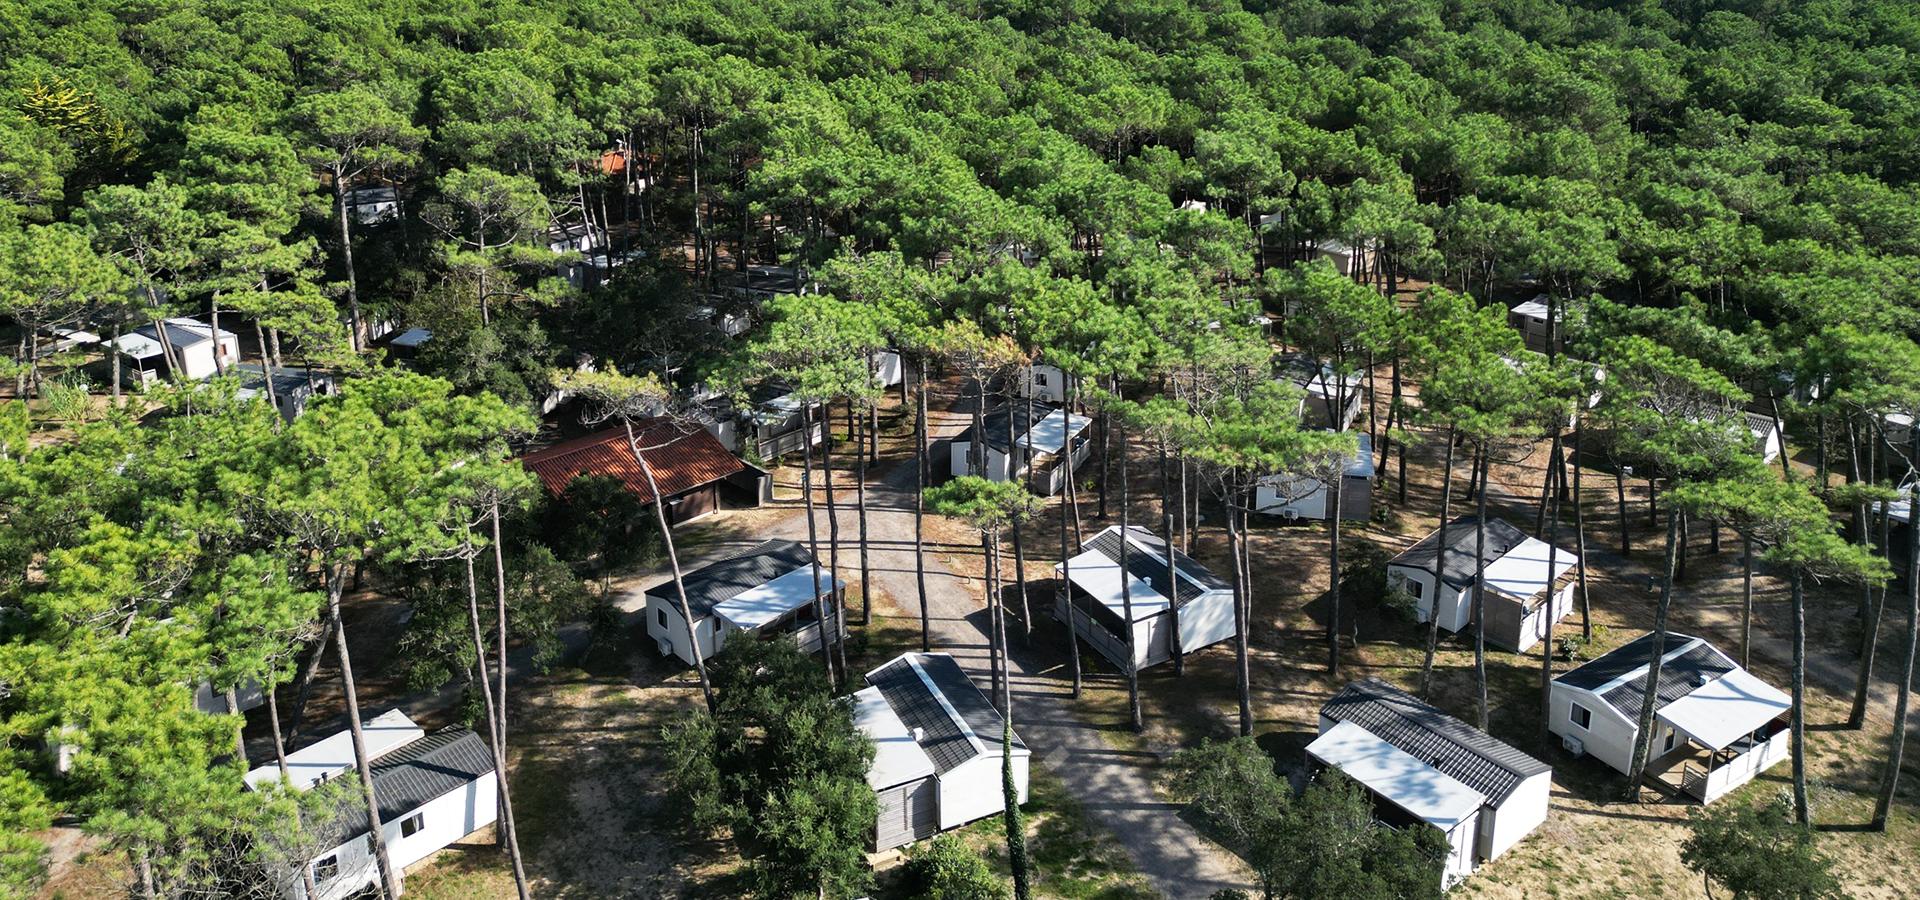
[[938, 749], [1199, 600], [1529, 585], [432, 790], [1530, 319], [1038, 432], [762, 593], [691, 470], [1332, 400], [1424, 765], [1346, 259], [200, 349], [292, 388], [1041, 382], [1302, 496], [1716, 725]]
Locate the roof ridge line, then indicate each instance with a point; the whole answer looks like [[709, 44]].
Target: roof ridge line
[[933, 690]]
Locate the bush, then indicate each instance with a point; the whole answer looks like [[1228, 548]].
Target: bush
[[945, 869]]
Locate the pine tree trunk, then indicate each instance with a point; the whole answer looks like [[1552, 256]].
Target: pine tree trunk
[[1798, 717], [500, 615], [496, 736], [1643, 736], [1126, 596], [1173, 576], [356, 328], [280, 759], [1869, 641], [311, 667], [1019, 551], [1241, 608], [820, 602], [1546, 622], [389, 875], [1010, 801], [1439, 567], [1580, 537], [920, 504], [1070, 507], [1746, 601], [1480, 603], [1333, 576], [1620, 495], [1903, 692], [673, 560], [866, 572]]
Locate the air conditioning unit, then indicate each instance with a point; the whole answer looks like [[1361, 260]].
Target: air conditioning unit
[[1573, 745]]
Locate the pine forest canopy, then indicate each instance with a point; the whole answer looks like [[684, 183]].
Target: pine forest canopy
[[1714, 194]]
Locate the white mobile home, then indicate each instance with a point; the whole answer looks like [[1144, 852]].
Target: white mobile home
[[1530, 319], [433, 790], [1041, 382], [200, 349], [1301, 496], [1332, 400], [293, 388], [1716, 726], [1039, 433], [937, 749], [1481, 793], [373, 205], [1524, 595], [1345, 258], [1200, 601], [1766, 435], [765, 592]]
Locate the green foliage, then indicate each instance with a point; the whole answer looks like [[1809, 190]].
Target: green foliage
[[1757, 851], [946, 869], [780, 763]]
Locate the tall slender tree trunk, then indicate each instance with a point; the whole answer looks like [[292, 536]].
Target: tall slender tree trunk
[[1798, 717], [866, 572], [920, 503], [1439, 568], [1580, 536], [1019, 551], [1480, 599], [356, 327], [508, 836], [1620, 495], [673, 560], [1236, 536], [1546, 621], [280, 759], [500, 613], [1173, 576], [1337, 488], [820, 602], [1643, 735], [389, 874], [306, 676], [1746, 600], [1070, 508], [1869, 639], [838, 607], [1126, 595], [1903, 692]]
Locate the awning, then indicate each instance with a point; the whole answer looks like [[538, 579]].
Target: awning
[[1726, 710], [897, 757], [1050, 434], [1397, 776], [1099, 576], [1522, 572], [754, 608]]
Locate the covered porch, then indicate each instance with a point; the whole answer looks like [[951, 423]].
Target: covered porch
[[1722, 736]]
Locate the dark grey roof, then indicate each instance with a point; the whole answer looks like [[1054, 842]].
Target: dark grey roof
[[939, 736], [1461, 751], [178, 335], [1501, 538], [1595, 673], [995, 422], [716, 583], [286, 381], [1679, 676], [1150, 565], [411, 776]]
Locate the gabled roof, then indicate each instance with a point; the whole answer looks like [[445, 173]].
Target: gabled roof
[[332, 755], [1461, 751], [411, 776], [716, 583], [682, 459], [1096, 570], [1398, 776], [1516, 563], [1619, 676], [949, 718], [183, 333], [995, 423], [1315, 377]]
